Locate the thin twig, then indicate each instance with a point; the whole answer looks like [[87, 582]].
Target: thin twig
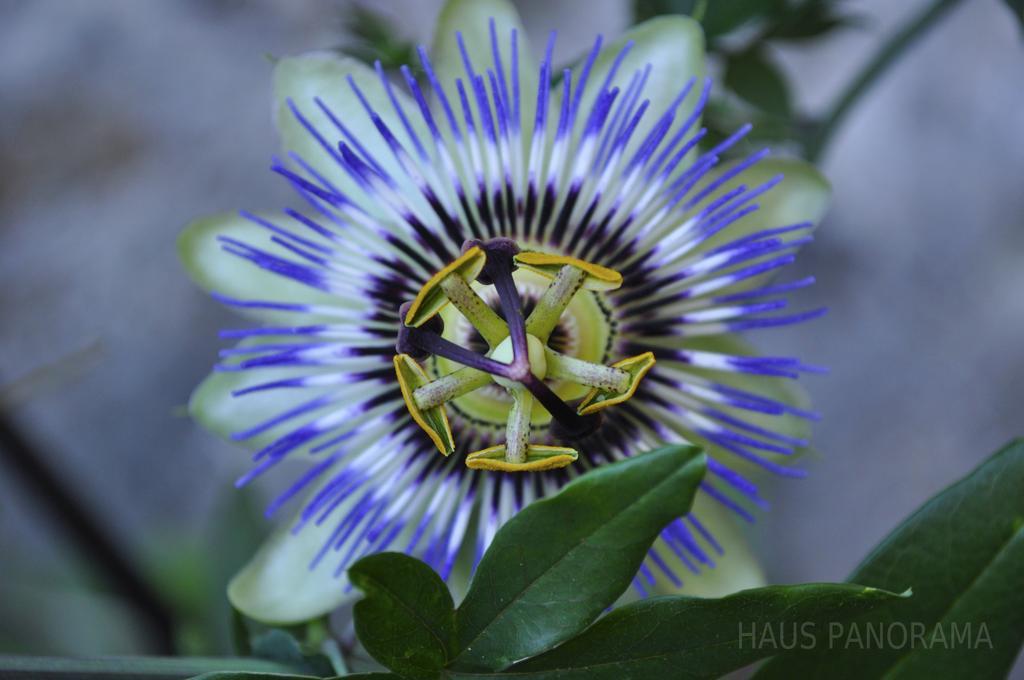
[[879, 64]]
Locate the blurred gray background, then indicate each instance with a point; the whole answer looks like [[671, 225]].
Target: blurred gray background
[[120, 121]]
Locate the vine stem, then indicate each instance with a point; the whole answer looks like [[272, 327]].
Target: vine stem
[[140, 667], [886, 56], [87, 532]]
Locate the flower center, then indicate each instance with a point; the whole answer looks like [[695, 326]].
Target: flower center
[[522, 380], [583, 331], [505, 353]]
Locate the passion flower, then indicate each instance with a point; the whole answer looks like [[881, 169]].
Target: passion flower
[[498, 277]]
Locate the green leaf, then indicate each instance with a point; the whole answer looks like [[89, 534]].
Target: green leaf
[[375, 37], [811, 20], [560, 562], [700, 638], [725, 16], [757, 80], [963, 554], [648, 9], [281, 646], [406, 620]]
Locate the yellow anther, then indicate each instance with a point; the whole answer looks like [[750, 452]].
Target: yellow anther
[[547, 265], [637, 367], [426, 398], [538, 458], [434, 421], [431, 299]]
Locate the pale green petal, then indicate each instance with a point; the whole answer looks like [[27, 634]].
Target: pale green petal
[[785, 390], [277, 586], [218, 271], [779, 389], [674, 48], [472, 18], [213, 406], [738, 569], [324, 75], [803, 196]]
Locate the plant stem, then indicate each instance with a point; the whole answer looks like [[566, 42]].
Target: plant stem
[[87, 532], [148, 667], [886, 56]]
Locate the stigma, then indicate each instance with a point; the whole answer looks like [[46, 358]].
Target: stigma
[[518, 360]]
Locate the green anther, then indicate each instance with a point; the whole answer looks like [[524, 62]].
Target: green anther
[[609, 378], [484, 319], [517, 431], [451, 386], [553, 302]]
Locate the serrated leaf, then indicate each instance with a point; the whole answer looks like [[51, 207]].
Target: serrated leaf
[[406, 619], [963, 554], [686, 637], [560, 562], [758, 81]]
